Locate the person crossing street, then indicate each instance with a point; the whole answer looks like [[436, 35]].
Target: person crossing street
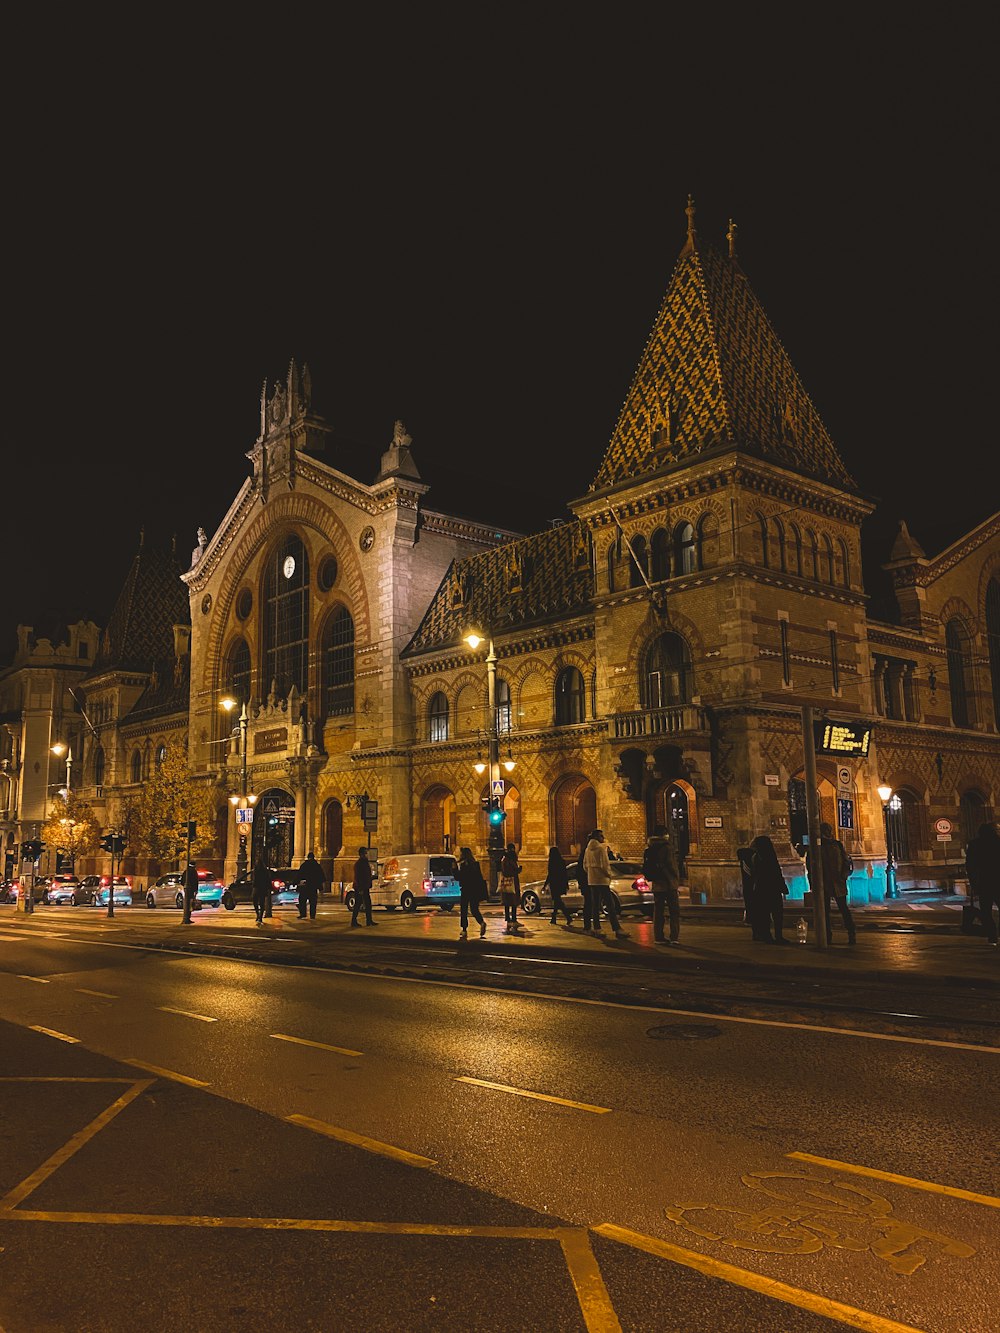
[[310, 886], [362, 888]]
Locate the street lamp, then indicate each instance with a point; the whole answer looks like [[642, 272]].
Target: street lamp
[[495, 841], [244, 800], [61, 748], [885, 796]]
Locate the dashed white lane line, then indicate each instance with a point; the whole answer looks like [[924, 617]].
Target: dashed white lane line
[[101, 994], [320, 1045], [186, 1013], [167, 1073], [51, 1032], [536, 1096], [42, 981]]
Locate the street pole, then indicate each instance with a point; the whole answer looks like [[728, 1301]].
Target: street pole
[[814, 857], [495, 839], [111, 889], [186, 918], [241, 852]]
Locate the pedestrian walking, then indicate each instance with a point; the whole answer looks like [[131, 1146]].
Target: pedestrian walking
[[768, 893], [837, 865], [473, 890], [591, 913], [362, 888], [510, 888], [598, 866], [660, 867], [191, 903], [982, 864], [261, 894], [557, 882], [310, 886]]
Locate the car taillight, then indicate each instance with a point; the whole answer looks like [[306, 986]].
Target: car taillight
[[105, 881], [277, 884], [640, 883], [427, 884]]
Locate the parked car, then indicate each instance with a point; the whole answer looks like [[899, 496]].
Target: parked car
[[67, 889], [122, 891], [39, 891], [406, 881], [168, 890], [284, 889], [629, 889]]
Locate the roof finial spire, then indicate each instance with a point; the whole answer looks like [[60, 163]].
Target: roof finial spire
[[690, 217], [731, 238]]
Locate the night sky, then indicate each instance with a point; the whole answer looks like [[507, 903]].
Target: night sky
[[472, 228]]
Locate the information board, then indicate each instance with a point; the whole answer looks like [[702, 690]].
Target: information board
[[842, 738]]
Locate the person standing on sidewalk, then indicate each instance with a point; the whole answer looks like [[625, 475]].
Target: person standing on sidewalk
[[510, 888], [660, 867], [982, 863], [591, 915], [261, 890], [557, 882], [769, 889], [191, 902], [837, 865], [598, 866], [310, 884], [362, 888], [473, 890]]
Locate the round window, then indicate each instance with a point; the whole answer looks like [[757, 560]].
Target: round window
[[244, 604], [206, 604], [327, 573], [367, 539]]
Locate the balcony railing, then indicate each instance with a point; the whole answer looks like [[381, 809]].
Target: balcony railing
[[660, 721]]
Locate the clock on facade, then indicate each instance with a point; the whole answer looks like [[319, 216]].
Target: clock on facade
[[206, 604], [367, 539], [288, 568]]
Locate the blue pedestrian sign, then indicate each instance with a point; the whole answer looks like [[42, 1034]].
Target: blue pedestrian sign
[[244, 816], [498, 785]]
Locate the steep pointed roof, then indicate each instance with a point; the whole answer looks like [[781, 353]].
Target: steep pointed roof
[[151, 602], [545, 576], [714, 375]]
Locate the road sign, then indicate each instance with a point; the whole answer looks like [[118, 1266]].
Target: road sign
[[771, 780], [845, 812], [844, 777], [244, 816], [943, 825], [944, 837], [287, 810], [713, 821], [498, 787]]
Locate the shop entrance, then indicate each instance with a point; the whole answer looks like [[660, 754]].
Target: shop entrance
[[672, 810], [274, 828]]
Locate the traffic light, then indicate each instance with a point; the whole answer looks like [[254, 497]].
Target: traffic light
[[497, 812], [32, 849], [272, 821], [108, 844]]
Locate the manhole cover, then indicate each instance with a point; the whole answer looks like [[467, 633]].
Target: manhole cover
[[684, 1031]]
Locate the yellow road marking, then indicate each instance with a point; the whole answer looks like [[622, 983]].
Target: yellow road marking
[[320, 1045], [951, 1190], [595, 1303], [536, 1096], [186, 1013], [42, 981], [167, 1073], [63, 1154], [360, 1141], [767, 1286], [51, 1032], [102, 994]]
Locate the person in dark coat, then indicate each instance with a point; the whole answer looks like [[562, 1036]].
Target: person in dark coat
[[744, 857], [591, 913], [557, 883], [473, 891], [191, 903], [982, 863], [837, 866], [660, 868], [262, 875], [362, 888], [310, 885], [510, 888], [769, 889]]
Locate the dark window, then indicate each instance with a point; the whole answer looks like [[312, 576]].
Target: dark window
[[238, 672], [286, 618], [958, 665], [83, 650], [993, 641], [834, 661], [569, 697], [903, 825], [638, 566], [612, 561], [828, 569], [685, 552], [338, 664], [659, 553], [327, 573], [244, 604], [503, 706], [668, 672], [779, 529], [439, 717], [161, 754], [795, 550], [786, 667], [137, 766], [99, 767]]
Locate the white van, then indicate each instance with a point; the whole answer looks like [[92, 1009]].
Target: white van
[[406, 881]]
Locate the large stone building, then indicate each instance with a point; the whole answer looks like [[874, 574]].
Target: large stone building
[[653, 653]]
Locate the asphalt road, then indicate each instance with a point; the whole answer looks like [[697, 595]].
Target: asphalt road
[[662, 1139]]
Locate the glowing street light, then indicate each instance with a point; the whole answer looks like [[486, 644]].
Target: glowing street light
[[885, 795]]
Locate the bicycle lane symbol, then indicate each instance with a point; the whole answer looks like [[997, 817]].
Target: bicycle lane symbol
[[810, 1212]]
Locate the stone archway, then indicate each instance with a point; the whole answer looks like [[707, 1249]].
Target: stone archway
[[274, 828], [439, 824], [675, 805], [573, 807]]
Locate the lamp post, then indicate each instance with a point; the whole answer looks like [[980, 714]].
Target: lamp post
[[60, 748], [244, 800], [495, 842], [885, 794]]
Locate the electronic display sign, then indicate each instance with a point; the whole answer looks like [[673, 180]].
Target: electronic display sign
[[843, 738]]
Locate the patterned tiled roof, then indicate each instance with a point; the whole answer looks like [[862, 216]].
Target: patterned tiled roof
[[151, 602], [714, 375], [545, 576], [168, 691]]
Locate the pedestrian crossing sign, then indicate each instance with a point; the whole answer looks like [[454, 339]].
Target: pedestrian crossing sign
[[498, 785]]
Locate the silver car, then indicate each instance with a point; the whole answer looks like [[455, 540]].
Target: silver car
[[168, 891], [67, 889], [629, 889]]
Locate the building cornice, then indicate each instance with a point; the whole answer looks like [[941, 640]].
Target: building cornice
[[536, 640]]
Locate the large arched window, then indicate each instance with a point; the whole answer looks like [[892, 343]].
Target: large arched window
[[781, 561], [333, 828], [237, 680], [437, 715], [667, 673], [569, 697], [685, 552], [503, 706], [659, 556], [707, 537], [794, 550], [844, 560], [338, 664], [956, 646], [286, 618], [993, 641], [903, 824], [827, 558], [136, 765], [638, 563], [99, 766], [612, 562]]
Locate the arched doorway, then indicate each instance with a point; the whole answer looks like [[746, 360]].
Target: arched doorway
[[274, 828], [333, 836], [798, 813], [672, 808], [439, 820], [574, 813]]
